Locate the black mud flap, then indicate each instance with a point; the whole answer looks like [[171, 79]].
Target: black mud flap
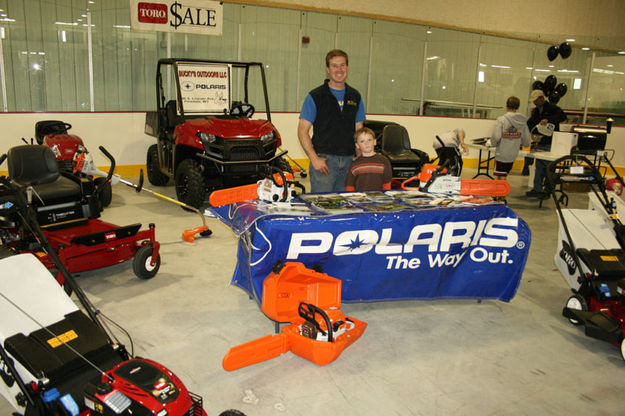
[[598, 325], [106, 235]]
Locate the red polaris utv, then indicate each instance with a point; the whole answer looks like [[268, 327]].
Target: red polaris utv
[[206, 138]]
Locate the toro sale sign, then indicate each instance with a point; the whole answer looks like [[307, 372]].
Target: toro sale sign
[[187, 16]]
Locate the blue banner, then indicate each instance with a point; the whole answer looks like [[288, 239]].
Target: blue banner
[[462, 252]]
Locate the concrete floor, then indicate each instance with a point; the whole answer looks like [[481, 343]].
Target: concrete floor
[[438, 357]]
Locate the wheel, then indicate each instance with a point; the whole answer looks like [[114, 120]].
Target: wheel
[[141, 263], [155, 176], [190, 184], [105, 191], [578, 303], [623, 348]]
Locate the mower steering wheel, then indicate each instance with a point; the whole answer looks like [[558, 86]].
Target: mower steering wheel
[[240, 109]]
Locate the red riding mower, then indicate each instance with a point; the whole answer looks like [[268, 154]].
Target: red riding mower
[[66, 148], [67, 210]]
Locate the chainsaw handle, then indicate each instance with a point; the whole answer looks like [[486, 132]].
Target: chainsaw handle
[[112, 159], [308, 311]]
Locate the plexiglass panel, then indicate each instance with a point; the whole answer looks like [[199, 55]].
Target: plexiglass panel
[[45, 57], [504, 70], [271, 36], [396, 68], [450, 72]]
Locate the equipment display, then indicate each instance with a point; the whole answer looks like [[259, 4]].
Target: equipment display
[[206, 138], [591, 254]]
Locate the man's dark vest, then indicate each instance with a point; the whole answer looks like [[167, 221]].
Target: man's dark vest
[[333, 129]]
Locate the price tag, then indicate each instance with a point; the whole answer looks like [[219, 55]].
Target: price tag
[[577, 170]]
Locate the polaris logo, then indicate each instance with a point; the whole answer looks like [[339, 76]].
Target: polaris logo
[[496, 232]]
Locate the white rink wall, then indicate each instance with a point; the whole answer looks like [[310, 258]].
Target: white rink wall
[[123, 133]]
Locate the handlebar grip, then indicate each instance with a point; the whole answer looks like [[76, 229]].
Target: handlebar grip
[[112, 159]]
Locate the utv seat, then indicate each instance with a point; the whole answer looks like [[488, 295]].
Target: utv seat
[[405, 161]]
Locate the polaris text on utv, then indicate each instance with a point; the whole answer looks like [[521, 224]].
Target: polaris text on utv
[[206, 138]]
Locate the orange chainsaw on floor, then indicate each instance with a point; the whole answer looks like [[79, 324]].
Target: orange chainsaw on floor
[[310, 301]]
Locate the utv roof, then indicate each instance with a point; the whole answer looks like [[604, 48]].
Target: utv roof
[[238, 64]]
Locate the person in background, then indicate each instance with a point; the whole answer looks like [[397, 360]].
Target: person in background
[[510, 133], [335, 111], [446, 146], [370, 171], [543, 113]]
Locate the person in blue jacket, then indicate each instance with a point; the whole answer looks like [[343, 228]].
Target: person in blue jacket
[[335, 111]]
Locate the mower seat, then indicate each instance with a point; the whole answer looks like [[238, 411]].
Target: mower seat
[[57, 195], [45, 127], [405, 162]]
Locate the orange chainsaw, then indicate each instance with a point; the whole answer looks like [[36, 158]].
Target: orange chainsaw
[[319, 330], [434, 179], [279, 187]]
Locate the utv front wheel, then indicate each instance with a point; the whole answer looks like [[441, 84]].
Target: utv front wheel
[[155, 176], [190, 183]]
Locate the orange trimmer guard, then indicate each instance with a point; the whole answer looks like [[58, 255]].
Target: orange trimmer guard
[[290, 286]]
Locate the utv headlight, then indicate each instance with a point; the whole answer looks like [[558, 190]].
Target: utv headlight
[[267, 137], [207, 137]]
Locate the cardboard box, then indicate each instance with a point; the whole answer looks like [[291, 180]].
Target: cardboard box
[[562, 142]]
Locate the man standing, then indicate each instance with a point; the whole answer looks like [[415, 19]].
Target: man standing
[[335, 111], [543, 114]]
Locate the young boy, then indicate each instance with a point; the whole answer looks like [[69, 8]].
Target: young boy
[[370, 171], [509, 134]]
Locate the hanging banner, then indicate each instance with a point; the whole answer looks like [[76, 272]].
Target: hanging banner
[[202, 17]]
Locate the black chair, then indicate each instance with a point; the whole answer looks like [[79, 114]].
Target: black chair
[[451, 158], [58, 197], [405, 161]]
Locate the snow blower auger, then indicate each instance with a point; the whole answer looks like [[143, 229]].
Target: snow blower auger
[[279, 187], [310, 301], [86, 166], [435, 179]]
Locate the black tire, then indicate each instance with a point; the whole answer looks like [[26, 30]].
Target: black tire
[[105, 191], [190, 183], [141, 263], [155, 176]]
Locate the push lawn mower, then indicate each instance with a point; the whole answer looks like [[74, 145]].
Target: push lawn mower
[[66, 208], [590, 253], [67, 148], [56, 359]]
